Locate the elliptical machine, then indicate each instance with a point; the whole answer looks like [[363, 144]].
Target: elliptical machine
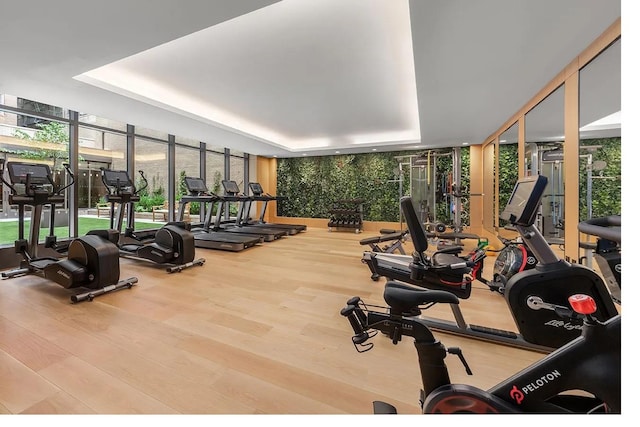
[[172, 245], [92, 262]]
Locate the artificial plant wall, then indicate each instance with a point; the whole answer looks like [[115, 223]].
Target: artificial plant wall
[[605, 183], [312, 184]]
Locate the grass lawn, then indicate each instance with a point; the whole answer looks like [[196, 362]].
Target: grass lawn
[[9, 229]]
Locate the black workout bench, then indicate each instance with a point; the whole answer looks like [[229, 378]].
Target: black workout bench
[[398, 238]]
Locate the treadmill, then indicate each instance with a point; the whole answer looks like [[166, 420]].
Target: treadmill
[[232, 194], [259, 195], [204, 236]]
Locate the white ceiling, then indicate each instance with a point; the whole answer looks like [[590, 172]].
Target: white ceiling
[[297, 76]]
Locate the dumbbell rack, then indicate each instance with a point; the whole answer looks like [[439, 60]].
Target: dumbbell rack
[[347, 214]]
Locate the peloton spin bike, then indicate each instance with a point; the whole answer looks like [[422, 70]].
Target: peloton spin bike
[[92, 262], [172, 245], [531, 295], [557, 383]]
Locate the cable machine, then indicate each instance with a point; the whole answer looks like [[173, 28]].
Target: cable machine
[[430, 187]]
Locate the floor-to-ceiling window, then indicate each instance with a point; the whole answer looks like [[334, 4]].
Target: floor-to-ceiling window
[[33, 138], [151, 158], [187, 164]]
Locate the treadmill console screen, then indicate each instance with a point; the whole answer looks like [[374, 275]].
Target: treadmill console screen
[[525, 200], [38, 173], [230, 187], [195, 185], [256, 188]]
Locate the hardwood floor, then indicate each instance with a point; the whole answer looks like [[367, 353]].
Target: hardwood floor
[[254, 332]]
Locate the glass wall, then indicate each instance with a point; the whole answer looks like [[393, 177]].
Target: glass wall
[[102, 144], [151, 157], [96, 121], [187, 164], [31, 139], [98, 149], [215, 171], [544, 135], [237, 171], [600, 135]]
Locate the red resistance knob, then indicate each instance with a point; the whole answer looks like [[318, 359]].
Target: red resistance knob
[[582, 304]]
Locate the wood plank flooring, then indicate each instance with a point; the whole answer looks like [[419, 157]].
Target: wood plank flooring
[[254, 332]]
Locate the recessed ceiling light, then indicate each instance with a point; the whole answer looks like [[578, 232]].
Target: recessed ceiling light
[[374, 149], [337, 152], [275, 155], [304, 154], [465, 143]]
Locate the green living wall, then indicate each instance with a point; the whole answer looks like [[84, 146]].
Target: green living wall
[[606, 184], [313, 184]]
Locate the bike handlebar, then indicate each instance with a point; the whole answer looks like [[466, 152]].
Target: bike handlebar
[[608, 227]]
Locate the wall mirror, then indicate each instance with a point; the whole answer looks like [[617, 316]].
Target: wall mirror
[[600, 135], [488, 187], [507, 167], [544, 137]]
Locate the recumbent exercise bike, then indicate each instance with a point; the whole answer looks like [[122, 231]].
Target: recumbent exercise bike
[[91, 262], [530, 294]]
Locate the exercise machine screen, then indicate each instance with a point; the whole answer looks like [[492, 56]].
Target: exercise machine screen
[[37, 173], [230, 187], [195, 185], [525, 200], [119, 179], [256, 188]]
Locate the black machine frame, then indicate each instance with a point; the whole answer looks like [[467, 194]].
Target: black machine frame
[[204, 234], [90, 262], [171, 246], [589, 363], [530, 294]]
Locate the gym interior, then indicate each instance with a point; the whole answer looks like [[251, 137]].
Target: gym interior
[[256, 208]]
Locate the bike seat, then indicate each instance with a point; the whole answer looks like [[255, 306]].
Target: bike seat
[[443, 259], [402, 298]]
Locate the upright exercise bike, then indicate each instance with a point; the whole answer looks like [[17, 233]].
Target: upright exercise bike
[[92, 262], [583, 376], [171, 246]]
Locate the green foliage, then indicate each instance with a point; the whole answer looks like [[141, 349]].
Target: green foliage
[[148, 201], [182, 186], [606, 184], [508, 165], [312, 184], [149, 196], [51, 132], [217, 182], [194, 208]]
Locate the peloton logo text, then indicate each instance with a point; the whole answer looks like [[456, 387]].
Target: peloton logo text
[[518, 395]]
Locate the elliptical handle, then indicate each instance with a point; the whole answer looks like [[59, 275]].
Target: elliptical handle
[[73, 178], [144, 179]]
